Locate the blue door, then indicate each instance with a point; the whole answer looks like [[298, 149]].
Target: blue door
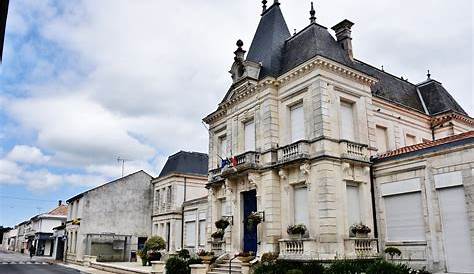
[[250, 235]]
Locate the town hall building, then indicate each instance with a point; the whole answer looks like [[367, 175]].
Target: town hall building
[[295, 139]]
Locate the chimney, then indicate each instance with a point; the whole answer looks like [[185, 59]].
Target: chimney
[[343, 35], [60, 202]]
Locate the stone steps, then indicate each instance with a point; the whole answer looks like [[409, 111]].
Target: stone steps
[[223, 268]]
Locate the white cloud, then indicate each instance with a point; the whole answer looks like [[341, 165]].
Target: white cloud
[[9, 172], [27, 155]]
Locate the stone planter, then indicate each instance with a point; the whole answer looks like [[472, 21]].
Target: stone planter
[[157, 267], [245, 259], [295, 236], [362, 235], [206, 259]]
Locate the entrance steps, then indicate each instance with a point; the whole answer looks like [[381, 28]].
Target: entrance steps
[[223, 267]]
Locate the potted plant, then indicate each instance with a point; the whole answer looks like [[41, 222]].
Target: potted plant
[[253, 220], [218, 235], [297, 230], [142, 253], [245, 257], [153, 245], [360, 230], [392, 251], [206, 256], [222, 224]]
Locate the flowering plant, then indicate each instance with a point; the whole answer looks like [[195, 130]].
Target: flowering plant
[[245, 254], [219, 234], [253, 219], [360, 228], [222, 224], [296, 229], [202, 252]]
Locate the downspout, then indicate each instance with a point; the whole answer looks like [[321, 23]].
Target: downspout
[[182, 214], [374, 210]]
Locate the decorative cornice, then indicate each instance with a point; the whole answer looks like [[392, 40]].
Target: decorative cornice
[[441, 119], [248, 88]]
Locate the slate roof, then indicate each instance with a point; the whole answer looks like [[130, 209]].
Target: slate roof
[[437, 98], [268, 41], [183, 162], [279, 52], [422, 147]]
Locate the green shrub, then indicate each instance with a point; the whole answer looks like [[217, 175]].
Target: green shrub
[[177, 266], [269, 257], [194, 261], [348, 267], [155, 243], [384, 267], [392, 251], [282, 267], [184, 254], [294, 271]]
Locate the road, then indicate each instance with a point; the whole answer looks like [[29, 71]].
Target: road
[[15, 263]]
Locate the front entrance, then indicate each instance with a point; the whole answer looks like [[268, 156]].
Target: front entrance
[[250, 235]]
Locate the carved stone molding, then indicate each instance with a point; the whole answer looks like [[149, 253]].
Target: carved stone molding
[[283, 173], [347, 171], [305, 172]]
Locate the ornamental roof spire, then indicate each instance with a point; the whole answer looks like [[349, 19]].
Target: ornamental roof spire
[[264, 2], [312, 12], [428, 74]]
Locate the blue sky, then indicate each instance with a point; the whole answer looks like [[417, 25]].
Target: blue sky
[[84, 82]]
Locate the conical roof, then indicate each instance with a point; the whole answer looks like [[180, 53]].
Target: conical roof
[[268, 42]]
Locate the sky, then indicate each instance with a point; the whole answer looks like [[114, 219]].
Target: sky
[[84, 82]]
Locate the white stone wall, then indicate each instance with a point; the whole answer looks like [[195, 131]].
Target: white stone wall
[[425, 168]]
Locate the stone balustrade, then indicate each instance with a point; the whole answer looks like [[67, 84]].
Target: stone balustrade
[[361, 248], [354, 151], [298, 249], [295, 151]]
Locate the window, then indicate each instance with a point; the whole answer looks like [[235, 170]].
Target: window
[[297, 123], [155, 229], [301, 205], [223, 147], [169, 198], [157, 198], [224, 208], [190, 233], [249, 136], [353, 204], [347, 121], [410, 140], [382, 139], [404, 217], [202, 232]]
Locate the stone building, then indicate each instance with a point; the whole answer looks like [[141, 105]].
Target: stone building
[[40, 230], [182, 179], [299, 125], [425, 203], [109, 222]]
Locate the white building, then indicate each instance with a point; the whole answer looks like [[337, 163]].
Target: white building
[[183, 178], [40, 232], [425, 203], [109, 222], [300, 122]]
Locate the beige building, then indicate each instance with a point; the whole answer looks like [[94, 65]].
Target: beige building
[[182, 180], [425, 205], [300, 124]]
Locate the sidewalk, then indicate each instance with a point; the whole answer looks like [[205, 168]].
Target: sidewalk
[[83, 269]]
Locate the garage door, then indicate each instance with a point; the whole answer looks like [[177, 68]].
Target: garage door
[[456, 234]]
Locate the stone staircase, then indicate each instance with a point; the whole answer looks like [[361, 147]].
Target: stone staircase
[[223, 267]]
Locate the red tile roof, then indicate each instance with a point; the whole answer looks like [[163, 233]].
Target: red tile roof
[[60, 211], [430, 144]]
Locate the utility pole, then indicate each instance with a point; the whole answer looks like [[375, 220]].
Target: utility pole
[[123, 163]]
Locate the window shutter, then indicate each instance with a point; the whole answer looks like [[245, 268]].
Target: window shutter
[[347, 122], [202, 232], [353, 205], [382, 139], [190, 230], [301, 205], [404, 217], [297, 123], [249, 130], [223, 147]]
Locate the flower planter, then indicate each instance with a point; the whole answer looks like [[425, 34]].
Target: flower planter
[[362, 235], [207, 258], [245, 259]]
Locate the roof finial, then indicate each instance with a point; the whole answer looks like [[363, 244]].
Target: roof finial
[[276, 2], [264, 2], [428, 74], [312, 12]]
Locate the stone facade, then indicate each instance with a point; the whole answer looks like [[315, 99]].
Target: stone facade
[[428, 175]]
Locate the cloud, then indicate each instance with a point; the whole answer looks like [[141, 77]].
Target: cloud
[[27, 155]]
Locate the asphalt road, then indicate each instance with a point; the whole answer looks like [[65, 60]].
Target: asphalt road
[[35, 269], [16, 263]]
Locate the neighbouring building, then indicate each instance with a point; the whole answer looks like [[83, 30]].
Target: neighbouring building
[[41, 231], [300, 123], [59, 242], [110, 221], [182, 179], [425, 202]]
